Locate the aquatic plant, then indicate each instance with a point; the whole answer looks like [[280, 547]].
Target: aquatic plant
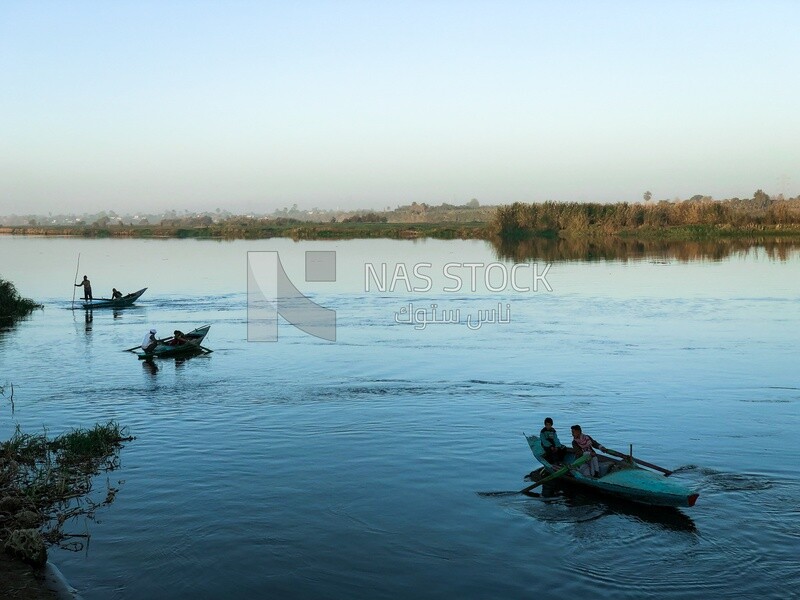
[[12, 305], [46, 483]]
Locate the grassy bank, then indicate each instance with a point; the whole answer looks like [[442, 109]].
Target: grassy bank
[[694, 219], [689, 220], [45, 483], [244, 228], [442, 231]]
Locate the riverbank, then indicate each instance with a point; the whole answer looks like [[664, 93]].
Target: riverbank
[[689, 220], [265, 229], [44, 484], [442, 231], [22, 582]]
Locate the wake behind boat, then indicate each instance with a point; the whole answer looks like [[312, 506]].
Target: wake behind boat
[[126, 300], [189, 343], [621, 478]]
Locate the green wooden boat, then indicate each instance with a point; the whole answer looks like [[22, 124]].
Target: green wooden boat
[[167, 348], [126, 300], [622, 478]]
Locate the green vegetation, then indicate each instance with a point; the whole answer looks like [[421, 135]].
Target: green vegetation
[[697, 218], [44, 483], [251, 228], [12, 305]]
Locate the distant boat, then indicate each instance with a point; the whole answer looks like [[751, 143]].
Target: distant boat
[[111, 303], [166, 349], [622, 478]]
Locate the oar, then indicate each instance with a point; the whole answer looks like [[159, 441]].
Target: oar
[[644, 463], [562, 471]]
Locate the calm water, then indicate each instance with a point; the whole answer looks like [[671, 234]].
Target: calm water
[[354, 469]]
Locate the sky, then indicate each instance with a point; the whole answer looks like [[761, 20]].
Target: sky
[[253, 106]]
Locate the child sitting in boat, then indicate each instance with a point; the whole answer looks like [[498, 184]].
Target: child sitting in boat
[[553, 448], [115, 294], [584, 443]]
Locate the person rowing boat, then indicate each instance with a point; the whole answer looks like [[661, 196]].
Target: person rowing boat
[[149, 342]]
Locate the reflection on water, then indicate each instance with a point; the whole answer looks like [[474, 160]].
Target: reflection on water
[[150, 367], [181, 360], [625, 249], [664, 517]]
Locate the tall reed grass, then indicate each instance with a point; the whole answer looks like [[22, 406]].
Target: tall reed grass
[[697, 217]]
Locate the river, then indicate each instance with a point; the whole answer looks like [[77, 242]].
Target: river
[[305, 468]]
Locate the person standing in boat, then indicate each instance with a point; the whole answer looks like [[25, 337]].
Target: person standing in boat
[[584, 443], [87, 288], [115, 294], [150, 342], [553, 448]]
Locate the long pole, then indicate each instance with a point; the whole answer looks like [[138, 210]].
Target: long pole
[[78, 268]]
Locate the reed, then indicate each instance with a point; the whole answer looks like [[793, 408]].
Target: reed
[[690, 219], [13, 306], [49, 481]]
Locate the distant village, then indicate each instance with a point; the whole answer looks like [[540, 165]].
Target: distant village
[[471, 211]]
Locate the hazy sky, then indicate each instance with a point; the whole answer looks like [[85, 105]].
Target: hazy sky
[[259, 105]]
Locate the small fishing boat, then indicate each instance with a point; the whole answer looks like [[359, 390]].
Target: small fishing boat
[[126, 300], [169, 347], [623, 478]]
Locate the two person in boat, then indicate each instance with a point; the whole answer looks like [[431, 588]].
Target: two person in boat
[[87, 288], [150, 342], [554, 450]]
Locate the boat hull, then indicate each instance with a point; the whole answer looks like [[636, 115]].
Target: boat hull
[[109, 303], [623, 480]]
